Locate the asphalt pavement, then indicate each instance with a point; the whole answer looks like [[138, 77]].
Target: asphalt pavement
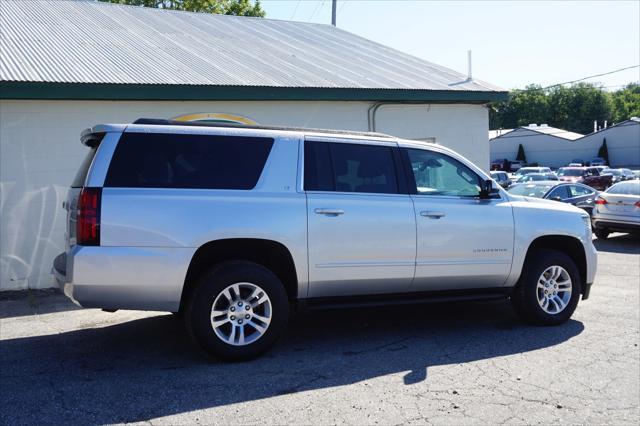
[[462, 363]]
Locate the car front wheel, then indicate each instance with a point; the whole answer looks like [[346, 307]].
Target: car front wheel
[[549, 288]]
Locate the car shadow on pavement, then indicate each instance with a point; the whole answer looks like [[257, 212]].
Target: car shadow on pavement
[[34, 302], [619, 243], [148, 368]]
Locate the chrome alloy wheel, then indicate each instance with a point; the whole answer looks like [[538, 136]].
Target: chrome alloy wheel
[[554, 289], [241, 314]]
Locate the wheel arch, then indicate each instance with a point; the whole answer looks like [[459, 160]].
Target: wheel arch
[[570, 246], [271, 254]]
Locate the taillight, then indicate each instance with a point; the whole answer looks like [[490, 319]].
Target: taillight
[[637, 204], [601, 201], [88, 231]]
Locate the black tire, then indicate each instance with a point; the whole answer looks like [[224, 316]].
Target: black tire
[[215, 281], [601, 233], [525, 294]]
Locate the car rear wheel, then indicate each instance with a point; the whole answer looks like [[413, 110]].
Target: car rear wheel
[[237, 311], [601, 233], [549, 288]]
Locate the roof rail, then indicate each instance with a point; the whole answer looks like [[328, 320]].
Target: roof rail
[[165, 122]]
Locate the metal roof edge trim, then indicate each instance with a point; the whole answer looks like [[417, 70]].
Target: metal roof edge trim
[[165, 92]]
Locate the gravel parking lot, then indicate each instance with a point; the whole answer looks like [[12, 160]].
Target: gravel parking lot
[[456, 364]]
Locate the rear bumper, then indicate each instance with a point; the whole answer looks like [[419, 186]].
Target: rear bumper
[[616, 225], [141, 278]]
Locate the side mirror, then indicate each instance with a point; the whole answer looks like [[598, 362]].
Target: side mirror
[[556, 198], [487, 190]]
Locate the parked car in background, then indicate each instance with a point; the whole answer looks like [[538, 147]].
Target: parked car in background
[[575, 165], [526, 170], [628, 174], [636, 173], [616, 175], [617, 209], [576, 162], [597, 161], [586, 175], [579, 195], [536, 177], [517, 165], [502, 178], [498, 164]]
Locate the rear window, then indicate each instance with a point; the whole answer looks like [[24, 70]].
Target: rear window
[[81, 176], [625, 188], [158, 160]]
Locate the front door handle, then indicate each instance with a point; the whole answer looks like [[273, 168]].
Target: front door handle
[[329, 212], [432, 215]]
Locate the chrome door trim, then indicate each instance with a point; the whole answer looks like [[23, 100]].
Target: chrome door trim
[[361, 264]]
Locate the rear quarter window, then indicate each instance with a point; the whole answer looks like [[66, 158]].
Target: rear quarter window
[[158, 160], [81, 175]]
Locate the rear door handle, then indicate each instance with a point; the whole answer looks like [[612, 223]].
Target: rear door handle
[[432, 215], [329, 212]]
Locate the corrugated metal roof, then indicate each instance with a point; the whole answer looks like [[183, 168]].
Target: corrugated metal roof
[[94, 42]]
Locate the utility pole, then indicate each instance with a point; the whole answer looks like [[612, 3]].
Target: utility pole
[[333, 12]]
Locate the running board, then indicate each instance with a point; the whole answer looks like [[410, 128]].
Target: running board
[[344, 302]]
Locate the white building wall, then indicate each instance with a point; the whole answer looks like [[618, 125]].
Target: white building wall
[[623, 144], [40, 152]]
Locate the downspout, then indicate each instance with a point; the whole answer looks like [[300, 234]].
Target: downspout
[[371, 112]]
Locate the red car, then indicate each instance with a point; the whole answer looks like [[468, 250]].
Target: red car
[[586, 175]]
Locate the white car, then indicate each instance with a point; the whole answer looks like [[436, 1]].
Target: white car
[[617, 209], [235, 226]]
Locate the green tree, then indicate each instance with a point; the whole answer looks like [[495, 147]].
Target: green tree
[[572, 108], [625, 103], [575, 108], [521, 109], [222, 7], [603, 152], [521, 156]]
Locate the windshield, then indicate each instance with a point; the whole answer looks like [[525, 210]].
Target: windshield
[[611, 172], [529, 190], [569, 172], [625, 188], [525, 171]]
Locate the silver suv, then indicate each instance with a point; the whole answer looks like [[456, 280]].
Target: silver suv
[[235, 226]]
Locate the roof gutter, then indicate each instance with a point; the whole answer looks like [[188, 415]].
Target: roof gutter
[[182, 92]]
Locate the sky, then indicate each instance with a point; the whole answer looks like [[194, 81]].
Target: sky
[[513, 43]]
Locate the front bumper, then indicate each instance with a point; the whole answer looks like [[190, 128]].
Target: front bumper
[[586, 291]]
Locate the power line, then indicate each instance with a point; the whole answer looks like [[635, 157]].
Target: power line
[[318, 7], [591, 76], [295, 10], [342, 6]]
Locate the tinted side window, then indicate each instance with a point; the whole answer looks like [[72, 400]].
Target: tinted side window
[[439, 174], [560, 191], [155, 160], [577, 191], [344, 167], [363, 168], [318, 174]]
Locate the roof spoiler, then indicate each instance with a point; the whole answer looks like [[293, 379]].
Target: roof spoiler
[[92, 136]]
